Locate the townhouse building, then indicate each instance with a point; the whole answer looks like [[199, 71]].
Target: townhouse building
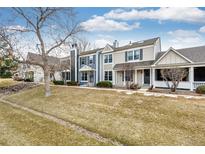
[[137, 62]]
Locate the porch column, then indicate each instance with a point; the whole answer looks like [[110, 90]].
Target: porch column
[[150, 77], [124, 78], [191, 77], [135, 80], [113, 80], [153, 77]]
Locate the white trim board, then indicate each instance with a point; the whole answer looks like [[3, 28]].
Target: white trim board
[[169, 50]]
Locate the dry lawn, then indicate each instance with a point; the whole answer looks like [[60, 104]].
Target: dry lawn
[[18, 127], [130, 119], [7, 82]]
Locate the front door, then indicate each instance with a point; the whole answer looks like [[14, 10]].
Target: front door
[[147, 76]]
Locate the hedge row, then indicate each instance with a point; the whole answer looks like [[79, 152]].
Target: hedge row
[[104, 84], [69, 83]]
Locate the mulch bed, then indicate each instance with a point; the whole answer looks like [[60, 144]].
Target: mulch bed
[[179, 92], [17, 87]]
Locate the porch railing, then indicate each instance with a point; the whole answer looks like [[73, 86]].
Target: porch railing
[[198, 83]]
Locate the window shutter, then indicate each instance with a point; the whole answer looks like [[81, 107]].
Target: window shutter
[[94, 59], [80, 61], [126, 56], [141, 54]]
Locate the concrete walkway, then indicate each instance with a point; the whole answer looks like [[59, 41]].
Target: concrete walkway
[[144, 92]]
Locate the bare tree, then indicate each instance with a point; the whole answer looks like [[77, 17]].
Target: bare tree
[[175, 75], [51, 28], [83, 44], [128, 73]]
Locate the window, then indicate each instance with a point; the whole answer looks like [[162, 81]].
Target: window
[[66, 75], [84, 76], [129, 75], [130, 55], [91, 60], [199, 74], [83, 60], [133, 55], [158, 76], [108, 58], [108, 75], [136, 54]]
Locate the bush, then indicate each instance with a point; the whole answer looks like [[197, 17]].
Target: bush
[[6, 75], [72, 83], [58, 82], [105, 84], [200, 89], [28, 80], [134, 86]]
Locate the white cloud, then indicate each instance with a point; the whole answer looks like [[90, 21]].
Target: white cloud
[[185, 38], [14, 28], [202, 29], [188, 14], [100, 23]]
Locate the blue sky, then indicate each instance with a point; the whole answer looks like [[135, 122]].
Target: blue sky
[[177, 27]]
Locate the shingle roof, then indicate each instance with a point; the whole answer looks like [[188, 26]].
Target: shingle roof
[[90, 51], [58, 63], [137, 44], [132, 65], [195, 54], [125, 47]]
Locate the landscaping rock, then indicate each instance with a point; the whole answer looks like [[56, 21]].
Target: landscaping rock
[[17, 88]]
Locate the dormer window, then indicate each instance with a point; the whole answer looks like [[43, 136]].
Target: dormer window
[[108, 58]]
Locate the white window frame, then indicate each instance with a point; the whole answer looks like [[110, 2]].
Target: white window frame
[[108, 55], [91, 59], [82, 76], [133, 55], [108, 76], [67, 74]]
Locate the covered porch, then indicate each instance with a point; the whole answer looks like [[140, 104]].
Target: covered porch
[[87, 76], [124, 78], [194, 78], [134, 72]]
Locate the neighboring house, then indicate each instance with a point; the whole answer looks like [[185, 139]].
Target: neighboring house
[[138, 62], [59, 68]]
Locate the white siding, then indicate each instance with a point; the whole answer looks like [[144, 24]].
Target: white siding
[[119, 57], [157, 48], [148, 53], [172, 58], [182, 85]]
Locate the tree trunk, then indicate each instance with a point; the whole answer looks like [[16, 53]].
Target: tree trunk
[[47, 82]]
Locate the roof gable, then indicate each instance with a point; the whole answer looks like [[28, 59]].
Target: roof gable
[[107, 48], [86, 68], [172, 57]]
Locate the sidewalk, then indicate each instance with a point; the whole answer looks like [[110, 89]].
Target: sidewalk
[[140, 91], [146, 93]]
